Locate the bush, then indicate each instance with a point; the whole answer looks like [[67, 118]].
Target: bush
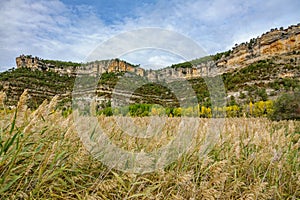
[[106, 111], [262, 94], [286, 107], [242, 95]]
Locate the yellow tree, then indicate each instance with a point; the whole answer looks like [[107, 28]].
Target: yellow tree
[[250, 108]]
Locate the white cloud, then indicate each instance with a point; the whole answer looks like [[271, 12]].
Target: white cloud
[[161, 61], [219, 24], [51, 29], [48, 29], [152, 58]]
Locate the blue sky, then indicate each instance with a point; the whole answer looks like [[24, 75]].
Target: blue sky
[[72, 29], [111, 11]]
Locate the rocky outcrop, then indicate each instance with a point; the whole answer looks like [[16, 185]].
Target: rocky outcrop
[[277, 42], [36, 63], [279, 47], [97, 67]]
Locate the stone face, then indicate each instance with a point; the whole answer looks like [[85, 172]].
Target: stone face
[[280, 46], [97, 67], [27, 61], [274, 43]]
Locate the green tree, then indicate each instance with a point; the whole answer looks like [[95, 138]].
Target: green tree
[[232, 101], [242, 95], [262, 94], [287, 107]]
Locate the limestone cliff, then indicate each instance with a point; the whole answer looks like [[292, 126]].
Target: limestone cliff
[[70, 68], [277, 42], [271, 61], [281, 45]]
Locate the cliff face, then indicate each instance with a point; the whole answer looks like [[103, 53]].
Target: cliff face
[[35, 63], [72, 69], [270, 61], [28, 62], [283, 42], [279, 45]]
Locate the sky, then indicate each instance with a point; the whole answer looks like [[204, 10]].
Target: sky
[[71, 30]]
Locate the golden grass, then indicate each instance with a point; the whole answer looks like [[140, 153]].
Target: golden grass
[[42, 157]]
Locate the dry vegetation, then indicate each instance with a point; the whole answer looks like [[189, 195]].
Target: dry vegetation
[[42, 157]]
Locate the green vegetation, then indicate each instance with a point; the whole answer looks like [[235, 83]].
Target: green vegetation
[[154, 93], [119, 60], [62, 64], [262, 94], [256, 109], [190, 64], [202, 60], [287, 107], [42, 85], [220, 55], [182, 65], [258, 76], [250, 82], [110, 78], [260, 71]]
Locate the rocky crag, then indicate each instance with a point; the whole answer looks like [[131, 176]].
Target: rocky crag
[[72, 69], [281, 45], [270, 62]]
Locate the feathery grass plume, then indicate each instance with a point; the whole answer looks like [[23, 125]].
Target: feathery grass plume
[[52, 104], [36, 116], [253, 158], [50, 114], [22, 109], [40, 110], [2, 99]]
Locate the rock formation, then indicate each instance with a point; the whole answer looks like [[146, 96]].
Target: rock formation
[[278, 49], [277, 42], [283, 43]]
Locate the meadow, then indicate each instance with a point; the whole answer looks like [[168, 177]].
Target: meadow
[[43, 157]]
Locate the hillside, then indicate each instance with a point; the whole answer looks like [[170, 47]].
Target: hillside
[[41, 85], [260, 69]]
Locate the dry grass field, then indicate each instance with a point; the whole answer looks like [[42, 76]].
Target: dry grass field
[[42, 157]]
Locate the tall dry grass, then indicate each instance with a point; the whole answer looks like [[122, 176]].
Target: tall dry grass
[[42, 157]]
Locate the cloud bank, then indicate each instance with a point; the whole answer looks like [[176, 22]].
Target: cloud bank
[[70, 30]]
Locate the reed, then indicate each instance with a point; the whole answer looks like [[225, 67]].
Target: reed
[[42, 157]]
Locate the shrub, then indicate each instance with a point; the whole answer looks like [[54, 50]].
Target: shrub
[[106, 111], [242, 95], [262, 94], [286, 107]]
